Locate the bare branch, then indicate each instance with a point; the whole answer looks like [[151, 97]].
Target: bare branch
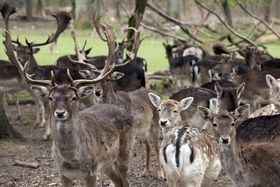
[[156, 30], [257, 18], [225, 24], [183, 26]]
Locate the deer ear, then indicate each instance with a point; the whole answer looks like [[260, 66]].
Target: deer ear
[[242, 112], [87, 51], [214, 105], [185, 103], [218, 89], [35, 50], [84, 91], [155, 99], [240, 89], [42, 91], [205, 112], [116, 75], [270, 80]]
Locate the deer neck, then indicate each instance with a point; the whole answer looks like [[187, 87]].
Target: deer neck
[[232, 162], [33, 64], [65, 136]]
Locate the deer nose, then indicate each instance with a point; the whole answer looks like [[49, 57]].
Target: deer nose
[[225, 140], [163, 122], [60, 114], [98, 93]]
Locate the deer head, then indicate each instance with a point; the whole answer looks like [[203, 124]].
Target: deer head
[[274, 87], [169, 111], [224, 123]]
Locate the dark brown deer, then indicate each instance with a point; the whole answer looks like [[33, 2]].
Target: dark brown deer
[[249, 151], [98, 139]]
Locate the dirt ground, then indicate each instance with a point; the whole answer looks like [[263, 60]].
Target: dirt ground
[[34, 149]]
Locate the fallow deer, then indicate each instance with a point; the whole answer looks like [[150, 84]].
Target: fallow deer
[[135, 102], [98, 139], [229, 99], [274, 107], [188, 155], [248, 155]]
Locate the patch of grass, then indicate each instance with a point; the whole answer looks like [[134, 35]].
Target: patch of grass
[[151, 49]]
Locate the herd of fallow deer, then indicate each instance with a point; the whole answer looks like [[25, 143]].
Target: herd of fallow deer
[[205, 127]]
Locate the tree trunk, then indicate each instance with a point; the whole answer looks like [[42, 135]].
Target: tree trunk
[[268, 9], [135, 19], [73, 10], [40, 8], [28, 10], [6, 130], [117, 8], [227, 13]]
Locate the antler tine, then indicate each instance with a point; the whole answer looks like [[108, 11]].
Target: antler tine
[[17, 42], [111, 42], [102, 75], [62, 19], [84, 46], [96, 23], [91, 66], [32, 81]]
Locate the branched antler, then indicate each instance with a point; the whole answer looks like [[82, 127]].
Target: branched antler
[[62, 18]]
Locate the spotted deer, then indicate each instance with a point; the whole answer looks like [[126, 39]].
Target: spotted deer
[[188, 155], [97, 139], [274, 107], [249, 150]]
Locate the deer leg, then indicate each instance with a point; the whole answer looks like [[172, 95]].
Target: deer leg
[[113, 174], [66, 182], [147, 170], [91, 180], [43, 112], [18, 107], [47, 133]]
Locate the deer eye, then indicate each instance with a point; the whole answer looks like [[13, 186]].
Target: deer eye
[[215, 124], [175, 111], [50, 98], [158, 109], [232, 124], [74, 98]]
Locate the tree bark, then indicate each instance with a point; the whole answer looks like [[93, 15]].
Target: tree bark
[[135, 19], [227, 12], [40, 8], [268, 10], [29, 10], [6, 130]]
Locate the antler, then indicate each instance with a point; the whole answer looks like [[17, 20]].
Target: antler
[[29, 80], [9, 51], [96, 23], [7, 10], [62, 18]]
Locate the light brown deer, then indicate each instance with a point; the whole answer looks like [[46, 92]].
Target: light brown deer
[[98, 139], [136, 103], [274, 107], [188, 155], [250, 156]]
